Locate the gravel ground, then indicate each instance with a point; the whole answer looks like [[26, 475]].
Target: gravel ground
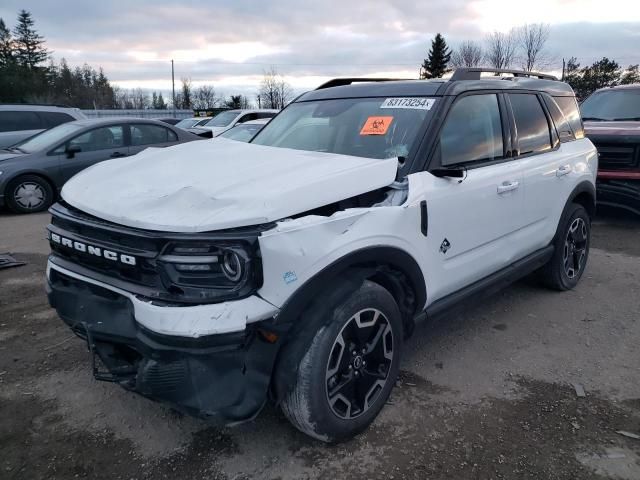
[[485, 393]]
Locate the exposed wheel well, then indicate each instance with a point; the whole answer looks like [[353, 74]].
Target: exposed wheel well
[[391, 268]]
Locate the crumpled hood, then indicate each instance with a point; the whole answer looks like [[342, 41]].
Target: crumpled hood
[[213, 185]]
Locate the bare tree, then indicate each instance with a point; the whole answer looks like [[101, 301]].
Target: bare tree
[[501, 49], [274, 91], [532, 38], [204, 97], [468, 54], [140, 99]]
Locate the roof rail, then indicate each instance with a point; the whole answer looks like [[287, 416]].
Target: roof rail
[[338, 82], [35, 105], [476, 73]]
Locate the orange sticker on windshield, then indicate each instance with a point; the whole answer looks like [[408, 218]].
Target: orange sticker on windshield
[[376, 126]]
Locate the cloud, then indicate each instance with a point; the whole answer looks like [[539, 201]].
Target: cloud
[[230, 43]]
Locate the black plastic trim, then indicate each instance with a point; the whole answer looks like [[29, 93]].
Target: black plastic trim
[[492, 283]]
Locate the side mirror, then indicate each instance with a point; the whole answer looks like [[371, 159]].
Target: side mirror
[[71, 150]]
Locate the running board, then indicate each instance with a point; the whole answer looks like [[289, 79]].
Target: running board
[[493, 283]]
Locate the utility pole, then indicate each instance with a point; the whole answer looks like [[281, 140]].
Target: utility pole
[[173, 90], [563, 69]]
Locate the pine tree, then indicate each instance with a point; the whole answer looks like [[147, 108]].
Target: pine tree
[[29, 45], [161, 103], [6, 45], [435, 65]]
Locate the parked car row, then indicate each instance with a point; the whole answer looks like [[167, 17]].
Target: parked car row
[[33, 171]]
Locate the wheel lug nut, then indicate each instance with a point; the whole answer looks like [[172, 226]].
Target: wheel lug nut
[[364, 350], [357, 373], [354, 353]]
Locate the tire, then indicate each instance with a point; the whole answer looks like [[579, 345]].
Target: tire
[[572, 241], [336, 394], [29, 194]]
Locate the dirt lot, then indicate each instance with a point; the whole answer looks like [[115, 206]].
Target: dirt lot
[[484, 394]]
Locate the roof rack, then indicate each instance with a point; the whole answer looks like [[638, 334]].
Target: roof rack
[[476, 73], [338, 82]]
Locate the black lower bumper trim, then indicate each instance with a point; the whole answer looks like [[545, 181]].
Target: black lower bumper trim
[[623, 194], [224, 378]]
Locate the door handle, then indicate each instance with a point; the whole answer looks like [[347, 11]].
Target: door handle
[[563, 170], [118, 155], [507, 186]]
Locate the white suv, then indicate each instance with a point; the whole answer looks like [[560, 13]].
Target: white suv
[[217, 275], [21, 121]]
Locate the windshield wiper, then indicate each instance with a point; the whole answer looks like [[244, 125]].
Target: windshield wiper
[[594, 119]]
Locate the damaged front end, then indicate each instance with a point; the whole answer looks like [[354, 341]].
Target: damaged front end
[[222, 377]]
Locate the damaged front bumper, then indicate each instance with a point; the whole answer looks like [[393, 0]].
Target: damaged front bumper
[[222, 376]]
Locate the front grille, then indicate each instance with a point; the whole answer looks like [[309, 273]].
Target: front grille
[[618, 156], [133, 256]]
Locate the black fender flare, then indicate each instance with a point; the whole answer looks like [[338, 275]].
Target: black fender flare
[[328, 288], [584, 194]]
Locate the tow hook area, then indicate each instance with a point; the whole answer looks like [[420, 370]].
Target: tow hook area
[[119, 371]]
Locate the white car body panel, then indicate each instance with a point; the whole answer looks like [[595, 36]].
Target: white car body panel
[[549, 177], [205, 186]]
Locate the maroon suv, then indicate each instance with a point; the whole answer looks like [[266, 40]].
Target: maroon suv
[[612, 122]]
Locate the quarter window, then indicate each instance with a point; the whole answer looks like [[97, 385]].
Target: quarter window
[[53, 119], [569, 107], [562, 125], [150, 134], [19, 121], [531, 124], [472, 131]]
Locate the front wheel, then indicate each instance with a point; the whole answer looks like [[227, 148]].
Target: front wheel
[[29, 194], [348, 371], [571, 252]]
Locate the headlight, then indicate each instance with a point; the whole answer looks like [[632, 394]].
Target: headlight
[[210, 271], [232, 265]]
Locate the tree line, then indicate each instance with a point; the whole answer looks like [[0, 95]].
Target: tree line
[[28, 74], [524, 48]]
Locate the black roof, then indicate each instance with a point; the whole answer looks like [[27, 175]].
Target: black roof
[[463, 80]]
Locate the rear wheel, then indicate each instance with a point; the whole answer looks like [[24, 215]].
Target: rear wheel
[[571, 252], [29, 194], [348, 371]]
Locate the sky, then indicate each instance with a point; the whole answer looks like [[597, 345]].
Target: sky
[[229, 44]]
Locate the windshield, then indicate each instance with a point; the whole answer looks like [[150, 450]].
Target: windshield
[[363, 127], [612, 105], [48, 138], [242, 133], [223, 119], [187, 122]]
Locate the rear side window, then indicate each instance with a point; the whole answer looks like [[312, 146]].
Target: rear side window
[[18, 121], [565, 132], [472, 131], [266, 114], [532, 126], [569, 108], [150, 134], [53, 119]]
